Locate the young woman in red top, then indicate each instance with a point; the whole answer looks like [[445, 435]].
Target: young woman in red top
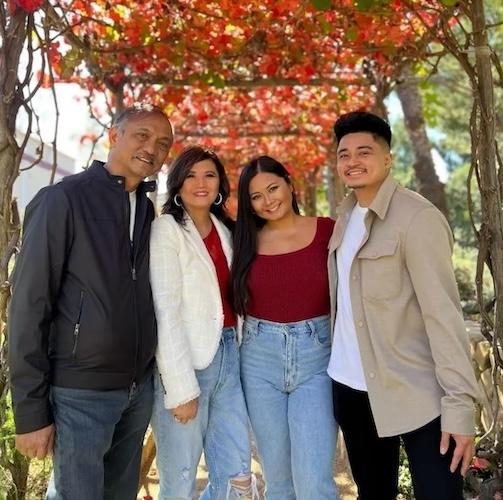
[[280, 285]]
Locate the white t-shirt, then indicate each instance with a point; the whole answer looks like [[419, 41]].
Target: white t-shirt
[[132, 213], [345, 361]]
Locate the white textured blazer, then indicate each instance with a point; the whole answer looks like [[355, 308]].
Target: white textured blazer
[[188, 304]]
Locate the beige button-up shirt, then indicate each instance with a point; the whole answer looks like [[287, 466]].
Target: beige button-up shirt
[[412, 339]]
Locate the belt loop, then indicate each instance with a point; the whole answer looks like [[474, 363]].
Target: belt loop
[[311, 325]]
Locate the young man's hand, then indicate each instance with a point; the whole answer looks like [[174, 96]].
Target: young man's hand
[[463, 453], [36, 444]]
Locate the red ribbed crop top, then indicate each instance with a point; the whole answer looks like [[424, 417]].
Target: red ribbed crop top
[[292, 286]]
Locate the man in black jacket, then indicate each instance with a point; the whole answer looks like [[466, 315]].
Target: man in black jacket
[[82, 329]]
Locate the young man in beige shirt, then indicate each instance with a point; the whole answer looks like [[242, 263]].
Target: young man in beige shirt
[[400, 357]]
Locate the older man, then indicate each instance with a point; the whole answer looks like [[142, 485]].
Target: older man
[[81, 323]]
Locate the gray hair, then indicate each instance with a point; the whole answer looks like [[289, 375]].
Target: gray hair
[[139, 110]]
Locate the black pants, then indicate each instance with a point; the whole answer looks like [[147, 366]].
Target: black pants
[[374, 460]]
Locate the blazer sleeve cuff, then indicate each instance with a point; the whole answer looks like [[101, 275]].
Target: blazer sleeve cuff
[[179, 389], [170, 403]]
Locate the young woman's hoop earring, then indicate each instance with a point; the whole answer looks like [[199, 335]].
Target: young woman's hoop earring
[[219, 200], [177, 200]]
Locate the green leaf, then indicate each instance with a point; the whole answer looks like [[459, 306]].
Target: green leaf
[[69, 62], [322, 4], [218, 81], [351, 34], [364, 5], [213, 79], [449, 3], [326, 27]]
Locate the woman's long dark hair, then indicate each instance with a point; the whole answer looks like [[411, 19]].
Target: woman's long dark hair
[[178, 172], [247, 226]]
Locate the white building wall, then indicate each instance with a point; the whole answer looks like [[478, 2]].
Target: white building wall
[[29, 182]]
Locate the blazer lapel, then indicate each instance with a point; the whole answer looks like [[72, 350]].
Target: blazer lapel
[[225, 238], [197, 244]]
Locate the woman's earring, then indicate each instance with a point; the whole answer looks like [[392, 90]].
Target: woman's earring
[[177, 200], [219, 200]]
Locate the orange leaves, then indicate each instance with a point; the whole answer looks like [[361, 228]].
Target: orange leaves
[[203, 60], [291, 123], [269, 65], [305, 72], [44, 79], [233, 134], [202, 116], [28, 5], [281, 8]]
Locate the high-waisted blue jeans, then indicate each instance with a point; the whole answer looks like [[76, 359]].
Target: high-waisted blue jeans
[[220, 428], [289, 397]]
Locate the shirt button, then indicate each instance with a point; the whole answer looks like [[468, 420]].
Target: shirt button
[[360, 323], [119, 181], [354, 277], [372, 375]]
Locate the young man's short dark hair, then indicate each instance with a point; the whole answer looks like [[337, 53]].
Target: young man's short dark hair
[[362, 121]]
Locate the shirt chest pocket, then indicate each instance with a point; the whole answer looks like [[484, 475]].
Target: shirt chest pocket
[[381, 273]]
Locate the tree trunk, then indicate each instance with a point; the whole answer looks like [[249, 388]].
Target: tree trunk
[[11, 97], [335, 187], [487, 169], [491, 189], [428, 182], [309, 204], [381, 92]]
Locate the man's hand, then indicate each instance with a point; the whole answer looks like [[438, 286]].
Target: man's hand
[[36, 444], [185, 412], [464, 451]]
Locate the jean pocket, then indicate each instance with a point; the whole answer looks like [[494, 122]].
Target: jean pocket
[[322, 337], [249, 335]]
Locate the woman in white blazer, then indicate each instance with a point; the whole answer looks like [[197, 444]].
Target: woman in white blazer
[[199, 401]]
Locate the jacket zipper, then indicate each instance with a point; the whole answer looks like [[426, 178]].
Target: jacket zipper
[[132, 266], [76, 330]]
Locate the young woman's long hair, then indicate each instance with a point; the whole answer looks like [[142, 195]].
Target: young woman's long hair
[[178, 172], [247, 226]]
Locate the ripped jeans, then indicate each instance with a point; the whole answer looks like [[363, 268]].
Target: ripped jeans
[[220, 428]]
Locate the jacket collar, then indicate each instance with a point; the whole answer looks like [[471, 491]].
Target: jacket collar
[[98, 169], [380, 203], [379, 207]]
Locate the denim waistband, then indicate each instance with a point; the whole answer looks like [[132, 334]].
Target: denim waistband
[[310, 324], [228, 333]]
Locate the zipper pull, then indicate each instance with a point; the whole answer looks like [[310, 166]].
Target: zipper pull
[[133, 273], [132, 390], [75, 338]]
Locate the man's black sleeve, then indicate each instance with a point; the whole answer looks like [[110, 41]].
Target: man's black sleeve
[[47, 236]]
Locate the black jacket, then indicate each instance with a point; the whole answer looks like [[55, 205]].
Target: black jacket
[[81, 314]]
